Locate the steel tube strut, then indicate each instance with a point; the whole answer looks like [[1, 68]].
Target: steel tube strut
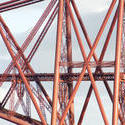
[[90, 55], [43, 90], [87, 65], [43, 33], [17, 118], [69, 59], [38, 25], [88, 39], [23, 77], [13, 4], [7, 96], [32, 34], [13, 119], [105, 48], [95, 57], [89, 71], [25, 60], [117, 61], [85, 105], [28, 65], [57, 60]]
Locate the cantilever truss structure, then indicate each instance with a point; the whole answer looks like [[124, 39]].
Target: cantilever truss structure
[[65, 79]]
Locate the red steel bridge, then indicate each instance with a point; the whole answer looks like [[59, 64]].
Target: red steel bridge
[[27, 86]]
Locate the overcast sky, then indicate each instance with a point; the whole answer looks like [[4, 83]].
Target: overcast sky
[[27, 16]]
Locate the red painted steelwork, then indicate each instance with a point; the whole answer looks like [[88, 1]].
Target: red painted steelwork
[[57, 60], [89, 57], [117, 66], [23, 77], [25, 60], [27, 74], [13, 4], [100, 60], [32, 34], [69, 59]]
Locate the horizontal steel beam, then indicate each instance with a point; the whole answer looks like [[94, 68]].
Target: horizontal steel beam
[[64, 77], [104, 64], [17, 118]]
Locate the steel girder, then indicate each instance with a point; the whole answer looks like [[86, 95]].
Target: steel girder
[[57, 77]]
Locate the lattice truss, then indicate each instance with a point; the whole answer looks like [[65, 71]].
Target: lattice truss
[[27, 91]]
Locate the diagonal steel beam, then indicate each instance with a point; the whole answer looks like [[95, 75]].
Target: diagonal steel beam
[[26, 60], [17, 118], [13, 119], [7, 96], [94, 55], [22, 76], [21, 53], [31, 35], [117, 62], [13, 4], [26, 63], [90, 54], [88, 68]]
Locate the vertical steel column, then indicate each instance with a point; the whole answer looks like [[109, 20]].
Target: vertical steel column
[[83, 71], [89, 57], [117, 62], [27, 63], [57, 60], [95, 57], [69, 59]]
